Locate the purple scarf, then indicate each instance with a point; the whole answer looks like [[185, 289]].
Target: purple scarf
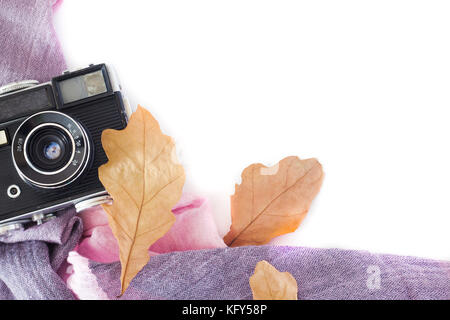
[[29, 48]]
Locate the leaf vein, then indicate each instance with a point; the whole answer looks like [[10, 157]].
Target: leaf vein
[[271, 202], [162, 188], [153, 229]]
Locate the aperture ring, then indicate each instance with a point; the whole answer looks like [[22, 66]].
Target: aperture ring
[[61, 177]]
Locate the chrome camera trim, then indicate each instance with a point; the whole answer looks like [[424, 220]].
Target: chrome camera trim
[[55, 208]]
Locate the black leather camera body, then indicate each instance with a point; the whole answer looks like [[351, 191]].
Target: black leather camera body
[[50, 143]]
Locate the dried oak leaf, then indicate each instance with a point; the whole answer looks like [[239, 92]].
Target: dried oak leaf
[[267, 283], [272, 201], [145, 180]]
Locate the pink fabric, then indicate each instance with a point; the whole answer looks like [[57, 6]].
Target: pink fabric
[[82, 281], [98, 242], [193, 229], [56, 4]]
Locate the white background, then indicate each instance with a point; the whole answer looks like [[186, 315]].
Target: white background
[[364, 86]]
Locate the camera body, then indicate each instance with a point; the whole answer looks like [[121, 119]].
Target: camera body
[[50, 143]]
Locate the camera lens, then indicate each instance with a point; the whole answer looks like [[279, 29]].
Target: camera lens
[[51, 150]]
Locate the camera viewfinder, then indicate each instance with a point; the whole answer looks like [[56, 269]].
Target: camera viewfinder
[[82, 87]]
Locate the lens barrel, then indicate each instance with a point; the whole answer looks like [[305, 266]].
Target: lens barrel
[[50, 150]]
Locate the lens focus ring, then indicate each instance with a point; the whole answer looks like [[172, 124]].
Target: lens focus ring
[[50, 150]]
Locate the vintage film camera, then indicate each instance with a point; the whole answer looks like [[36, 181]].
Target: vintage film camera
[[50, 143]]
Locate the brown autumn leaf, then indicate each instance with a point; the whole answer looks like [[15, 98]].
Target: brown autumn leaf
[[145, 180], [267, 283], [272, 201]]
